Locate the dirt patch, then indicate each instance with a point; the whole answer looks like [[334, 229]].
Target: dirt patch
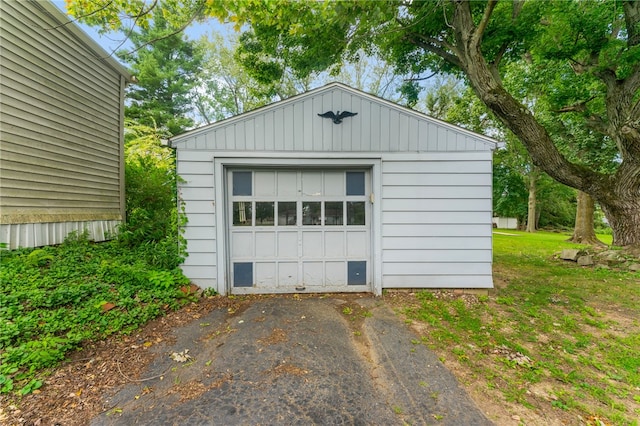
[[278, 335], [195, 388], [287, 369]]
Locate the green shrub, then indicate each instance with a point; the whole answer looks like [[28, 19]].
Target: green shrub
[[154, 214], [51, 301]]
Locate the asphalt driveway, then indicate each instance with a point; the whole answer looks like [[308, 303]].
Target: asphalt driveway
[[284, 360]]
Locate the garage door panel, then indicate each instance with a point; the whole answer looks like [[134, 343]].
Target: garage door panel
[[335, 273], [266, 274], [265, 183], [265, 244], [242, 243], [287, 245], [287, 274], [357, 245], [333, 184], [312, 184], [287, 184], [334, 244], [312, 273], [312, 244]]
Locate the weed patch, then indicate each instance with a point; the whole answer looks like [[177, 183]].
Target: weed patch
[[52, 300]]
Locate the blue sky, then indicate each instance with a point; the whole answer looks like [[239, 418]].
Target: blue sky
[[113, 41]]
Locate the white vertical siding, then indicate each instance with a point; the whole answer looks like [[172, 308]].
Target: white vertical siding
[[436, 220], [17, 235], [294, 125], [197, 191]]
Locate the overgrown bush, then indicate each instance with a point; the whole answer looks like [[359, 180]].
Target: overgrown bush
[[52, 300], [153, 210]]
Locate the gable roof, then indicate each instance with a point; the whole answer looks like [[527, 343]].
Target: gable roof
[[294, 125]]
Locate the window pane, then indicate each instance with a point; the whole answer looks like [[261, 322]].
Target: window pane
[[287, 214], [311, 213], [333, 213], [355, 213], [264, 213], [242, 183], [355, 183], [242, 213]]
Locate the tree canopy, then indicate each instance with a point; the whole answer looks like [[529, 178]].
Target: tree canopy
[[595, 44], [166, 71]]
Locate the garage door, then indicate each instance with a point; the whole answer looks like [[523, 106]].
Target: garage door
[[299, 230]]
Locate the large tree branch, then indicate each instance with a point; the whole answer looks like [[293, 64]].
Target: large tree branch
[[632, 20], [513, 114], [577, 107], [434, 46], [484, 22]]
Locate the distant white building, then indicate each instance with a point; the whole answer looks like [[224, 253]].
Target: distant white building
[[505, 222], [61, 129], [282, 200]]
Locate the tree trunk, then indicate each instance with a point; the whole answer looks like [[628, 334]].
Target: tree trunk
[[624, 219], [584, 232], [531, 206]]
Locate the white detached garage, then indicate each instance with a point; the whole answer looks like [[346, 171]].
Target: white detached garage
[[293, 198]]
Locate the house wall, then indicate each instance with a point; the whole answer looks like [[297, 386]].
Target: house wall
[[61, 120], [436, 220], [433, 228], [197, 192], [431, 181]]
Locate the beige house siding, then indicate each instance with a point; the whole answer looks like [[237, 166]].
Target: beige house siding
[[61, 128]]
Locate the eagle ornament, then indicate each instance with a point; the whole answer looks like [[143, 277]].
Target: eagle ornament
[[337, 118]]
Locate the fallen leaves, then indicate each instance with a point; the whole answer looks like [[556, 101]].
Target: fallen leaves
[[181, 356]]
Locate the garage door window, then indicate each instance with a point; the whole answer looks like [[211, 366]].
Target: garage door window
[[333, 213], [355, 213], [243, 274], [265, 213], [242, 213], [311, 213], [287, 213]]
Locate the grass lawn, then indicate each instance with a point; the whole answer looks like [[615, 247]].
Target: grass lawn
[[553, 343]]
